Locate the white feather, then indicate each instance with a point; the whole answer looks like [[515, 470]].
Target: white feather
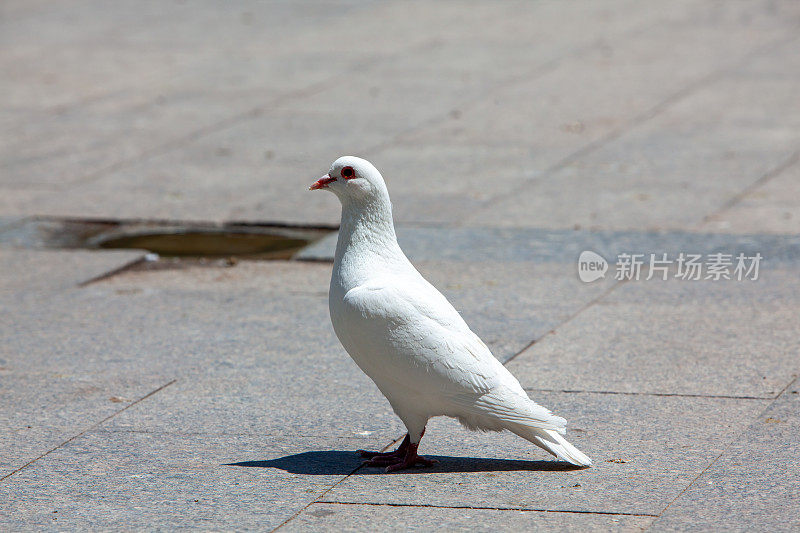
[[405, 335]]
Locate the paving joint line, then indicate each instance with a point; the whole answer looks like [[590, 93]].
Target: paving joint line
[[326, 491], [774, 172], [660, 394], [90, 428], [569, 319], [482, 508], [725, 450]]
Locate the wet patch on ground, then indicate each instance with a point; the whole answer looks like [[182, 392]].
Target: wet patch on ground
[[194, 242]]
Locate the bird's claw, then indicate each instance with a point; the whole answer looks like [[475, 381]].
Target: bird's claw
[[399, 462], [405, 456]]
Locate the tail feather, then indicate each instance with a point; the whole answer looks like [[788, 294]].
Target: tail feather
[[552, 442], [505, 409], [495, 412]]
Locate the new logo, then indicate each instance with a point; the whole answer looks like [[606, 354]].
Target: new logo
[[591, 266]]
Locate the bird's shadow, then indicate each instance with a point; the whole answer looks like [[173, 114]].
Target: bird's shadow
[[341, 462]]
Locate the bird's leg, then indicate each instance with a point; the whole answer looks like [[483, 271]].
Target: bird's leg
[[411, 459], [403, 457], [399, 452]]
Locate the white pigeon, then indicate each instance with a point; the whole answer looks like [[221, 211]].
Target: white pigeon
[[405, 335]]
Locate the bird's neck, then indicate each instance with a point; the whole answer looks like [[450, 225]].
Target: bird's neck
[[367, 240]]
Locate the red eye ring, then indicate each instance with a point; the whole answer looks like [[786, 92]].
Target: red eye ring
[[348, 173]]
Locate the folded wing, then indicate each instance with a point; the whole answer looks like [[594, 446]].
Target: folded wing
[[422, 343]]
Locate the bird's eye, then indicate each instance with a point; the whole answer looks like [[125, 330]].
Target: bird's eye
[[348, 173]]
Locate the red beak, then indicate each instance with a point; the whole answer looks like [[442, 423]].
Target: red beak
[[322, 183]]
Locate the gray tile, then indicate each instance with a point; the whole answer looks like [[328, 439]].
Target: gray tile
[[28, 270], [753, 485], [669, 172], [21, 201], [162, 329], [94, 105], [564, 111], [57, 151], [727, 337], [259, 170], [43, 410], [437, 183], [356, 517], [137, 112], [332, 399], [231, 47], [772, 207], [145, 480], [645, 450]]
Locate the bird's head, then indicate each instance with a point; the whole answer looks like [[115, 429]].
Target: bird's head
[[353, 179]]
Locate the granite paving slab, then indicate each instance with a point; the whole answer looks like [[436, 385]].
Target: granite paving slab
[[226, 343], [317, 102], [648, 65], [118, 331], [57, 151], [264, 164], [42, 411], [152, 480], [670, 171], [435, 184], [304, 398], [22, 202], [645, 449], [770, 207], [568, 116], [358, 517], [755, 481], [93, 102], [727, 337], [49, 270], [158, 89], [518, 39]]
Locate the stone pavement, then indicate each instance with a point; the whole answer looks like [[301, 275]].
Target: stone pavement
[[512, 136]]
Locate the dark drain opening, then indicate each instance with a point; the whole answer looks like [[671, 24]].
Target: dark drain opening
[[167, 239], [208, 243]]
